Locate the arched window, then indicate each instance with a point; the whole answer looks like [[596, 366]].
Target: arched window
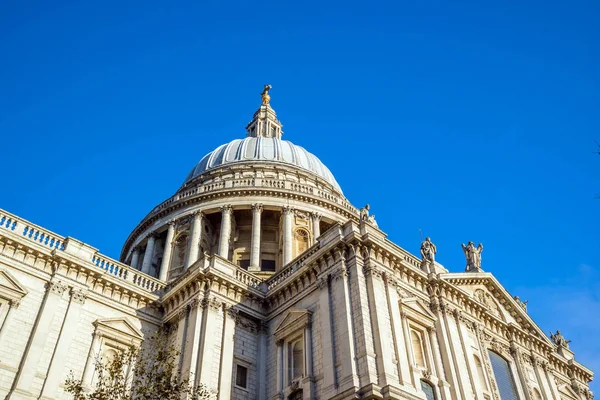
[[536, 395], [302, 239], [417, 345], [480, 374], [428, 389], [504, 379]]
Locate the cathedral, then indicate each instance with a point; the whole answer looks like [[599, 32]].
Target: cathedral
[[272, 286]]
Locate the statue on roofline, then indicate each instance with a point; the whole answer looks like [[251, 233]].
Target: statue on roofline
[[428, 250], [365, 217], [559, 340], [473, 255], [521, 303]]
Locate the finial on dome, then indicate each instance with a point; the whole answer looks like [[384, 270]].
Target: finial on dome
[[265, 95], [264, 122]]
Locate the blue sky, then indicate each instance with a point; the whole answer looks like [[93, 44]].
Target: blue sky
[[468, 120]]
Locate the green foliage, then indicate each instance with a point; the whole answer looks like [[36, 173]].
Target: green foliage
[[148, 373]]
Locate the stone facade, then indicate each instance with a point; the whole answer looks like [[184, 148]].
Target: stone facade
[[274, 287]]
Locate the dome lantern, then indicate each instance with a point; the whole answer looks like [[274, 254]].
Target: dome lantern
[[264, 122]]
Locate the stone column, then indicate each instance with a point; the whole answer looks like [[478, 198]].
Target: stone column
[[195, 235], [224, 238], [67, 333], [287, 213], [227, 341], [256, 231], [148, 254], [166, 261], [135, 257], [37, 341], [316, 229]]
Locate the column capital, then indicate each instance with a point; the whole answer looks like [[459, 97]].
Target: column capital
[[316, 215], [287, 210], [56, 287], [257, 207], [151, 235], [79, 295], [198, 214], [172, 223], [226, 209]]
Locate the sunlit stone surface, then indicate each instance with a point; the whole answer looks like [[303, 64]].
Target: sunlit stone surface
[[274, 287]]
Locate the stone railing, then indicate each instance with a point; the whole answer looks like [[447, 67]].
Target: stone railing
[[268, 183], [249, 279], [31, 232], [294, 265], [35, 234], [125, 272], [405, 255]]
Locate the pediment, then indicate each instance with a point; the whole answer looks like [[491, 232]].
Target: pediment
[[10, 288], [567, 393], [412, 305], [295, 320], [121, 329], [488, 292]]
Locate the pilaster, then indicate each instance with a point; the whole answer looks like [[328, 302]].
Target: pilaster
[[227, 342], [67, 334], [39, 336], [343, 324]]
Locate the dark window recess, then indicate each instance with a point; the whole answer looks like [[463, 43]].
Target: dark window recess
[[244, 264], [297, 395], [267, 265], [241, 376], [428, 389]]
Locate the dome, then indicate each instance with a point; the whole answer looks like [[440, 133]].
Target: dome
[[263, 149]]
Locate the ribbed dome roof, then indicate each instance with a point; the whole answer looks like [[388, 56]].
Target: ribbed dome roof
[[263, 149]]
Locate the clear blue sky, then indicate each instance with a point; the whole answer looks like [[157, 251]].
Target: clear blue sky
[[468, 120]]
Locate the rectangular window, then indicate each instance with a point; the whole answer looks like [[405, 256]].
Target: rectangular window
[[241, 376], [244, 264], [267, 265]]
